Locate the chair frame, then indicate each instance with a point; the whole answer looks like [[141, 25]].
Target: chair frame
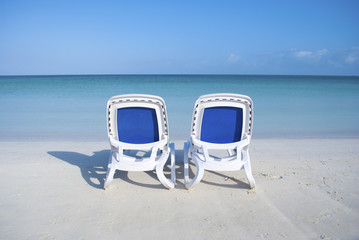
[[199, 150], [118, 160]]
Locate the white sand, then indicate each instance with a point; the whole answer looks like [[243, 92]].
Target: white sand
[[306, 189]]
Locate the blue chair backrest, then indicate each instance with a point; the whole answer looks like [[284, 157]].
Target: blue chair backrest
[[222, 124], [137, 125]]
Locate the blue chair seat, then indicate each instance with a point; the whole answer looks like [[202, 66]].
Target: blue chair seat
[[222, 124], [137, 125]]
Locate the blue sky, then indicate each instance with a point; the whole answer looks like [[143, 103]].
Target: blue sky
[[179, 37]]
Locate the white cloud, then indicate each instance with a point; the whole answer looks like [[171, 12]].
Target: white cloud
[[299, 61], [350, 59], [310, 55], [233, 58], [302, 53], [322, 52]]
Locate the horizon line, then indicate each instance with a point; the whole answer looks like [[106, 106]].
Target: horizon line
[[171, 74]]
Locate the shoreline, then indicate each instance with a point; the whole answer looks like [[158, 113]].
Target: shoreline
[[305, 190], [77, 139]]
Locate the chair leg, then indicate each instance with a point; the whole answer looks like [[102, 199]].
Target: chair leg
[[230, 152], [110, 171], [185, 162], [173, 162], [248, 168], [200, 170], [160, 175]]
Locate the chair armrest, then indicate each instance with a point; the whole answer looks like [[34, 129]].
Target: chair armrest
[[198, 143], [131, 146]]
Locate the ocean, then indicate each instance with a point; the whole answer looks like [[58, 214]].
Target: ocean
[[66, 108]]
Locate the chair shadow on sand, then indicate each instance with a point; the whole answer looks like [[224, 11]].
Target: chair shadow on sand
[[94, 168]]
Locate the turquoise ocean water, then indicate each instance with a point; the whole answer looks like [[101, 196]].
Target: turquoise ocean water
[[36, 108]]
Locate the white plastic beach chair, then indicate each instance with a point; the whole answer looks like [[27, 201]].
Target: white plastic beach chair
[[139, 122], [220, 122]]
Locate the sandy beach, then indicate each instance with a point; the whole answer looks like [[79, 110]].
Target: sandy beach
[[306, 189], [284, 74]]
